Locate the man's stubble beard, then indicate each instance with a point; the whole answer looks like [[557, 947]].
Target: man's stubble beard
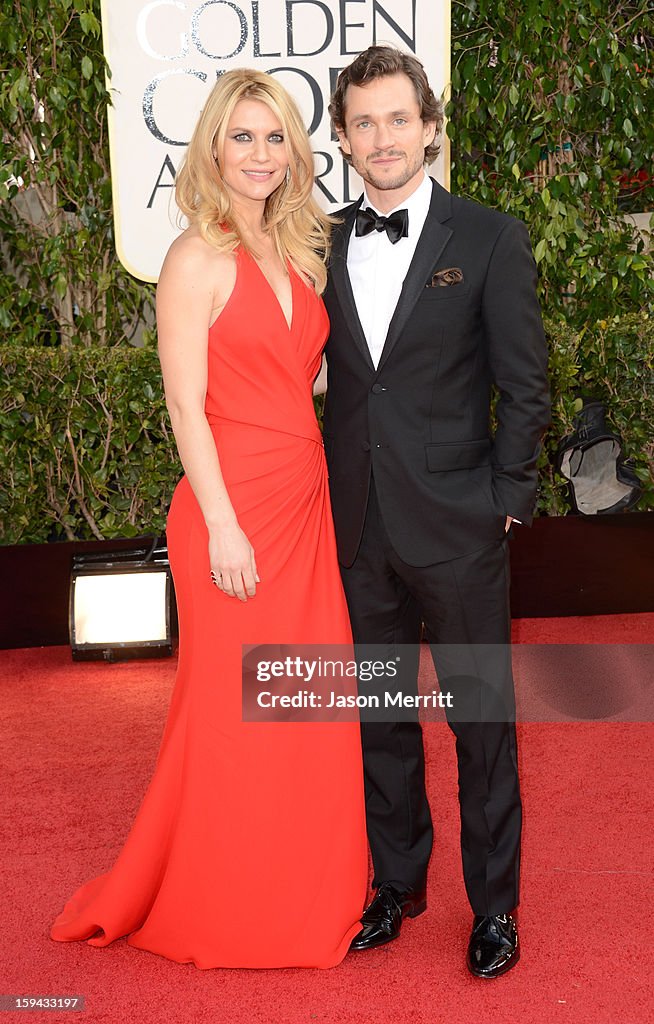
[[388, 184]]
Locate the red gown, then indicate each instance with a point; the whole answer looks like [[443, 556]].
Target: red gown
[[249, 848]]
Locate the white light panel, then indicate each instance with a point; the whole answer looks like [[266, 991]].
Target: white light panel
[[125, 607]]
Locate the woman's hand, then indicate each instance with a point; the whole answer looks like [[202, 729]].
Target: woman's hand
[[232, 562]]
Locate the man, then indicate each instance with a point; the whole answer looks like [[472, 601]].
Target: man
[[432, 302]]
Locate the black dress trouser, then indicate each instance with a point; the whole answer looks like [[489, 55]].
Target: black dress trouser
[[463, 602]]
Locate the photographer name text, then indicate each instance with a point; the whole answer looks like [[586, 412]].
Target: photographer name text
[[396, 699]]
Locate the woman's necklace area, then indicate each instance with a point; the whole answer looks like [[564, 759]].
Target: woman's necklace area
[[268, 260]]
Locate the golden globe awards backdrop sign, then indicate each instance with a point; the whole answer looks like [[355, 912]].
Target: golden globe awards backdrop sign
[[164, 57]]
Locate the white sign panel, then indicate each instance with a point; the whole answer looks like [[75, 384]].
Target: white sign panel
[[164, 57]]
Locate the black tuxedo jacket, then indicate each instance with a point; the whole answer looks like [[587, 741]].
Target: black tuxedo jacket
[[420, 421]]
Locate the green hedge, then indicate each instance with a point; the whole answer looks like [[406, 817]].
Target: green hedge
[[87, 447], [88, 450]]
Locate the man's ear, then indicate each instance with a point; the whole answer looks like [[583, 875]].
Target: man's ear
[[430, 132], [342, 139]]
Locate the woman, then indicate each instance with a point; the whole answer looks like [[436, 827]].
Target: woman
[[249, 849]]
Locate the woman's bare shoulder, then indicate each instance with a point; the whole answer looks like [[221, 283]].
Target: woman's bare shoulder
[[190, 253], [190, 249]]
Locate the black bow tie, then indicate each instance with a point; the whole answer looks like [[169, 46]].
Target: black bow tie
[[396, 226]]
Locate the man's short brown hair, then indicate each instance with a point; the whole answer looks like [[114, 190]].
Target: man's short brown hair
[[377, 62]]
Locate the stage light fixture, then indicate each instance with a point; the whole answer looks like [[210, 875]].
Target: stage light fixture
[[120, 605], [600, 479]]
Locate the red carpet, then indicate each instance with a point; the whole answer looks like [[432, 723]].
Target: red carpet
[[79, 743]]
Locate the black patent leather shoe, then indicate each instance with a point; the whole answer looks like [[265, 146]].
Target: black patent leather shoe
[[493, 948], [382, 919]]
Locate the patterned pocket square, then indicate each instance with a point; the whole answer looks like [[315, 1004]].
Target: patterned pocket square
[[445, 278]]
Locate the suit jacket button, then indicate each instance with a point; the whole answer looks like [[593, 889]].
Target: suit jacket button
[[366, 446], [377, 389]]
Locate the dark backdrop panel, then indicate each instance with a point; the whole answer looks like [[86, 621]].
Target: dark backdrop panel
[[34, 588], [583, 565], [571, 565]]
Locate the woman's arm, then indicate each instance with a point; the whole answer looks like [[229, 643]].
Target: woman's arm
[[193, 287], [320, 383]]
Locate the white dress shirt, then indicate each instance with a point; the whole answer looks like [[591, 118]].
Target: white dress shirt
[[377, 268]]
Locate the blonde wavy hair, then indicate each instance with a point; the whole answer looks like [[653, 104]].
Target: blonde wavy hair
[[298, 227]]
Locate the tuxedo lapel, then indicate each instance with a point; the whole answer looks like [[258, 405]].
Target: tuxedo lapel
[[341, 279], [434, 237]]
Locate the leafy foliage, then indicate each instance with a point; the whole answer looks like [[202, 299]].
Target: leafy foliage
[[87, 449], [61, 281], [550, 119]]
